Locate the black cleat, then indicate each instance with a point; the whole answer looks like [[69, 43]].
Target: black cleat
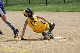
[[16, 33], [1, 32], [50, 35]]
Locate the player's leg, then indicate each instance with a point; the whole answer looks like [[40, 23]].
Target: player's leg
[[4, 18], [50, 30], [46, 27], [51, 27], [10, 25]]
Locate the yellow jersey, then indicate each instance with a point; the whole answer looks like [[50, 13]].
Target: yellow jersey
[[37, 25]]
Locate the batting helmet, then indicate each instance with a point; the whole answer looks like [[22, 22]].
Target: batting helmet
[[28, 12]]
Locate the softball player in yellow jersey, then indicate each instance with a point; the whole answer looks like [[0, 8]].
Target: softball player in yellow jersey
[[37, 25]]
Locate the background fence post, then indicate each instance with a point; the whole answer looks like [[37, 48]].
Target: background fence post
[[29, 1], [64, 1], [6, 2], [46, 2]]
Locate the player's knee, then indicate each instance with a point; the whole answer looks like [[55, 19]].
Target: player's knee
[[51, 25]]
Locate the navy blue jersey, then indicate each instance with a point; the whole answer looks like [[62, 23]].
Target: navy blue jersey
[[2, 5], [1, 1]]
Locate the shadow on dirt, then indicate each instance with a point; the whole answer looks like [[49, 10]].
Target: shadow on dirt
[[39, 39]]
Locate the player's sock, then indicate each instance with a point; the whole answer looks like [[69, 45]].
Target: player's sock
[[11, 26]]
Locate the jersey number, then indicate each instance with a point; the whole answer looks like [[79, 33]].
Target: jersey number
[[34, 22]]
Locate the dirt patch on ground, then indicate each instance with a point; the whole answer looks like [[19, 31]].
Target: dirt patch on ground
[[67, 25]]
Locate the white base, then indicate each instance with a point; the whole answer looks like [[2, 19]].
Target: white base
[[59, 37]]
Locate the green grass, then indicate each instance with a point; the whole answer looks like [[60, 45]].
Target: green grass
[[38, 5]]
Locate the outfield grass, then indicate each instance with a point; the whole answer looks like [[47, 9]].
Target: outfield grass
[[38, 5]]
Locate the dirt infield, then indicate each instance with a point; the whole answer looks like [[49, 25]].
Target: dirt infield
[[67, 25]]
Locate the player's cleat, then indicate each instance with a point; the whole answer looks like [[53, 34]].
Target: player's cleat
[[23, 39], [16, 33], [1, 32], [50, 35]]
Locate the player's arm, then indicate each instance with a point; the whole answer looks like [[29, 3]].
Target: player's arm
[[42, 18], [25, 24]]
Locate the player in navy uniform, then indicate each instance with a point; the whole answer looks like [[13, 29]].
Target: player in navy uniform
[[4, 18]]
